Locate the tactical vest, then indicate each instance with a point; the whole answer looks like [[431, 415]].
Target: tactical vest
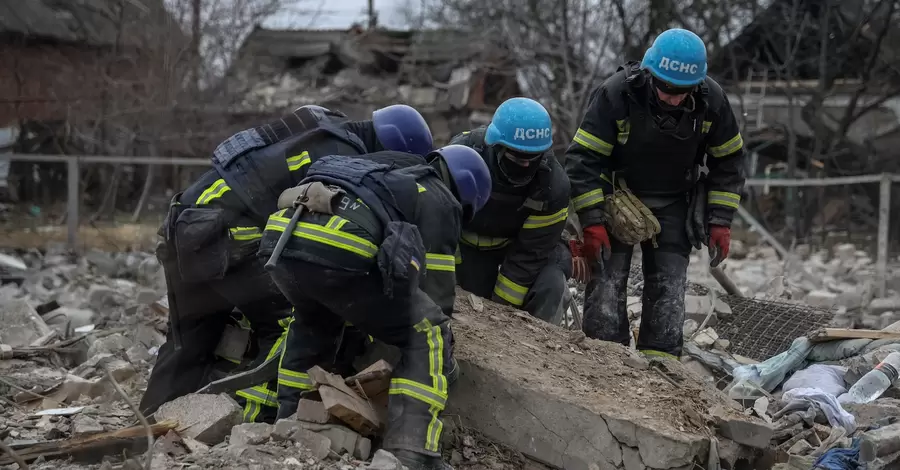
[[505, 212], [391, 194], [655, 162], [254, 167]]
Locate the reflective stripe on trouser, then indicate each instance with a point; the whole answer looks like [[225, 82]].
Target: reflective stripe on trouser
[[665, 275], [264, 395], [324, 299]]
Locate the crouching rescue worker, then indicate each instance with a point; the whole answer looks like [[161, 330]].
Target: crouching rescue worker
[[634, 167], [368, 242], [212, 236], [520, 229]]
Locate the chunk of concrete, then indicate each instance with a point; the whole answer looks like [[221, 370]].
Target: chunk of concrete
[[100, 297], [312, 411], [631, 459], [84, 425], [739, 429], [384, 460], [320, 445], [697, 307], [882, 305], [77, 317], [250, 434], [822, 298], [206, 418], [111, 344], [879, 442], [21, 324], [146, 296], [284, 428]]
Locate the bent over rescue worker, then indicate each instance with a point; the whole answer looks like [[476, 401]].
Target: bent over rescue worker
[[651, 125], [360, 244], [212, 237], [520, 228]]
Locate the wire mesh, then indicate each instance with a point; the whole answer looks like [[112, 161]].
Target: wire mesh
[[760, 329]]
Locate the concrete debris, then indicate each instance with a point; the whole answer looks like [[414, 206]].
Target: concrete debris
[[385, 460], [250, 433], [206, 418], [740, 430], [21, 324]]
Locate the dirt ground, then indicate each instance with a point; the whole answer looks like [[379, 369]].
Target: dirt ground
[[100, 236], [592, 373]]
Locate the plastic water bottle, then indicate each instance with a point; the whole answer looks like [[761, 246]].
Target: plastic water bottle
[[875, 382]]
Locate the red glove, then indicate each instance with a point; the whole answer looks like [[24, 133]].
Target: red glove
[[581, 272], [719, 242], [596, 243]]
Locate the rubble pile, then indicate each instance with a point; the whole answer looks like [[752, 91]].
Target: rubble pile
[[843, 279]]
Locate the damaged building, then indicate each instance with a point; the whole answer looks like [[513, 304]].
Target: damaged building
[[455, 80]]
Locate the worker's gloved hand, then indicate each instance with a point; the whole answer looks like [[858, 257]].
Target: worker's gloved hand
[[596, 243], [581, 271], [719, 242]]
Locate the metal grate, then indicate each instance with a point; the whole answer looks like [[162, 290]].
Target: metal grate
[[760, 329]]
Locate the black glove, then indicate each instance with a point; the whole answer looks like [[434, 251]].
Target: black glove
[[695, 223]]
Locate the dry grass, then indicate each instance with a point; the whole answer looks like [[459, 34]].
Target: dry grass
[[118, 237]]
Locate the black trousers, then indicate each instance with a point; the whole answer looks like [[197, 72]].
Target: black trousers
[[203, 310], [665, 280], [479, 269], [324, 300]]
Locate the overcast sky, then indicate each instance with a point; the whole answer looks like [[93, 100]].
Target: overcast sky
[[341, 14]]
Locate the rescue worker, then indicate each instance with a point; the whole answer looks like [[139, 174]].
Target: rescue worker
[[652, 124], [520, 229], [362, 243], [213, 231]]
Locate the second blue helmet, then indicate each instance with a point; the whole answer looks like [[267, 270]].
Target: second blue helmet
[[470, 175], [402, 129], [521, 124]]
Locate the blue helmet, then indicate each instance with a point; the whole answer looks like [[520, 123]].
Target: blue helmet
[[677, 57], [521, 124], [402, 129], [470, 176]]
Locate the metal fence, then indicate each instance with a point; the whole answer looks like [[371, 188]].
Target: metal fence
[[885, 182]]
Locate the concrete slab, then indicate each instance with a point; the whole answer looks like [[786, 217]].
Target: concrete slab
[[574, 405]]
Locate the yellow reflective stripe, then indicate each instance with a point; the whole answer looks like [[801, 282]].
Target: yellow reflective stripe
[[483, 241], [251, 411], [326, 236], [438, 262], [336, 222], [215, 190], [286, 321], [624, 131], [510, 291], [655, 353], [707, 125], [245, 233], [435, 395], [457, 257], [588, 199], [592, 142], [259, 394], [298, 161], [541, 221], [421, 188], [419, 392], [736, 143], [292, 379], [723, 198]]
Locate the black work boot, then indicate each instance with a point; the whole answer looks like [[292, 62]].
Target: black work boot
[[416, 461]]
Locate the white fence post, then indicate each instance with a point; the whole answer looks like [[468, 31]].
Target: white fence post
[[884, 227], [72, 202]]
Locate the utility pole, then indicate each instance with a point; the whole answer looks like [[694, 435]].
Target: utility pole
[[373, 19]]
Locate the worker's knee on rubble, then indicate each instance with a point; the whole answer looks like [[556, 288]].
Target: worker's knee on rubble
[[662, 316], [546, 294]]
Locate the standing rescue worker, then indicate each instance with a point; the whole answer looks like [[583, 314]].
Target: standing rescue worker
[[359, 241], [652, 125], [212, 236], [520, 229]]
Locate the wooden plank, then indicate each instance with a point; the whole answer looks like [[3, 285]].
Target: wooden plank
[[354, 411], [832, 334], [93, 448], [373, 379]]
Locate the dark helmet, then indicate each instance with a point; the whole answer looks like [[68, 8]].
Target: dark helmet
[[402, 129], [471, 177]]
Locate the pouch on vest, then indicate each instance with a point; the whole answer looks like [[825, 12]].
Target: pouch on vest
[[201, 242], [401, 258], [629, 219], [315, 196]]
